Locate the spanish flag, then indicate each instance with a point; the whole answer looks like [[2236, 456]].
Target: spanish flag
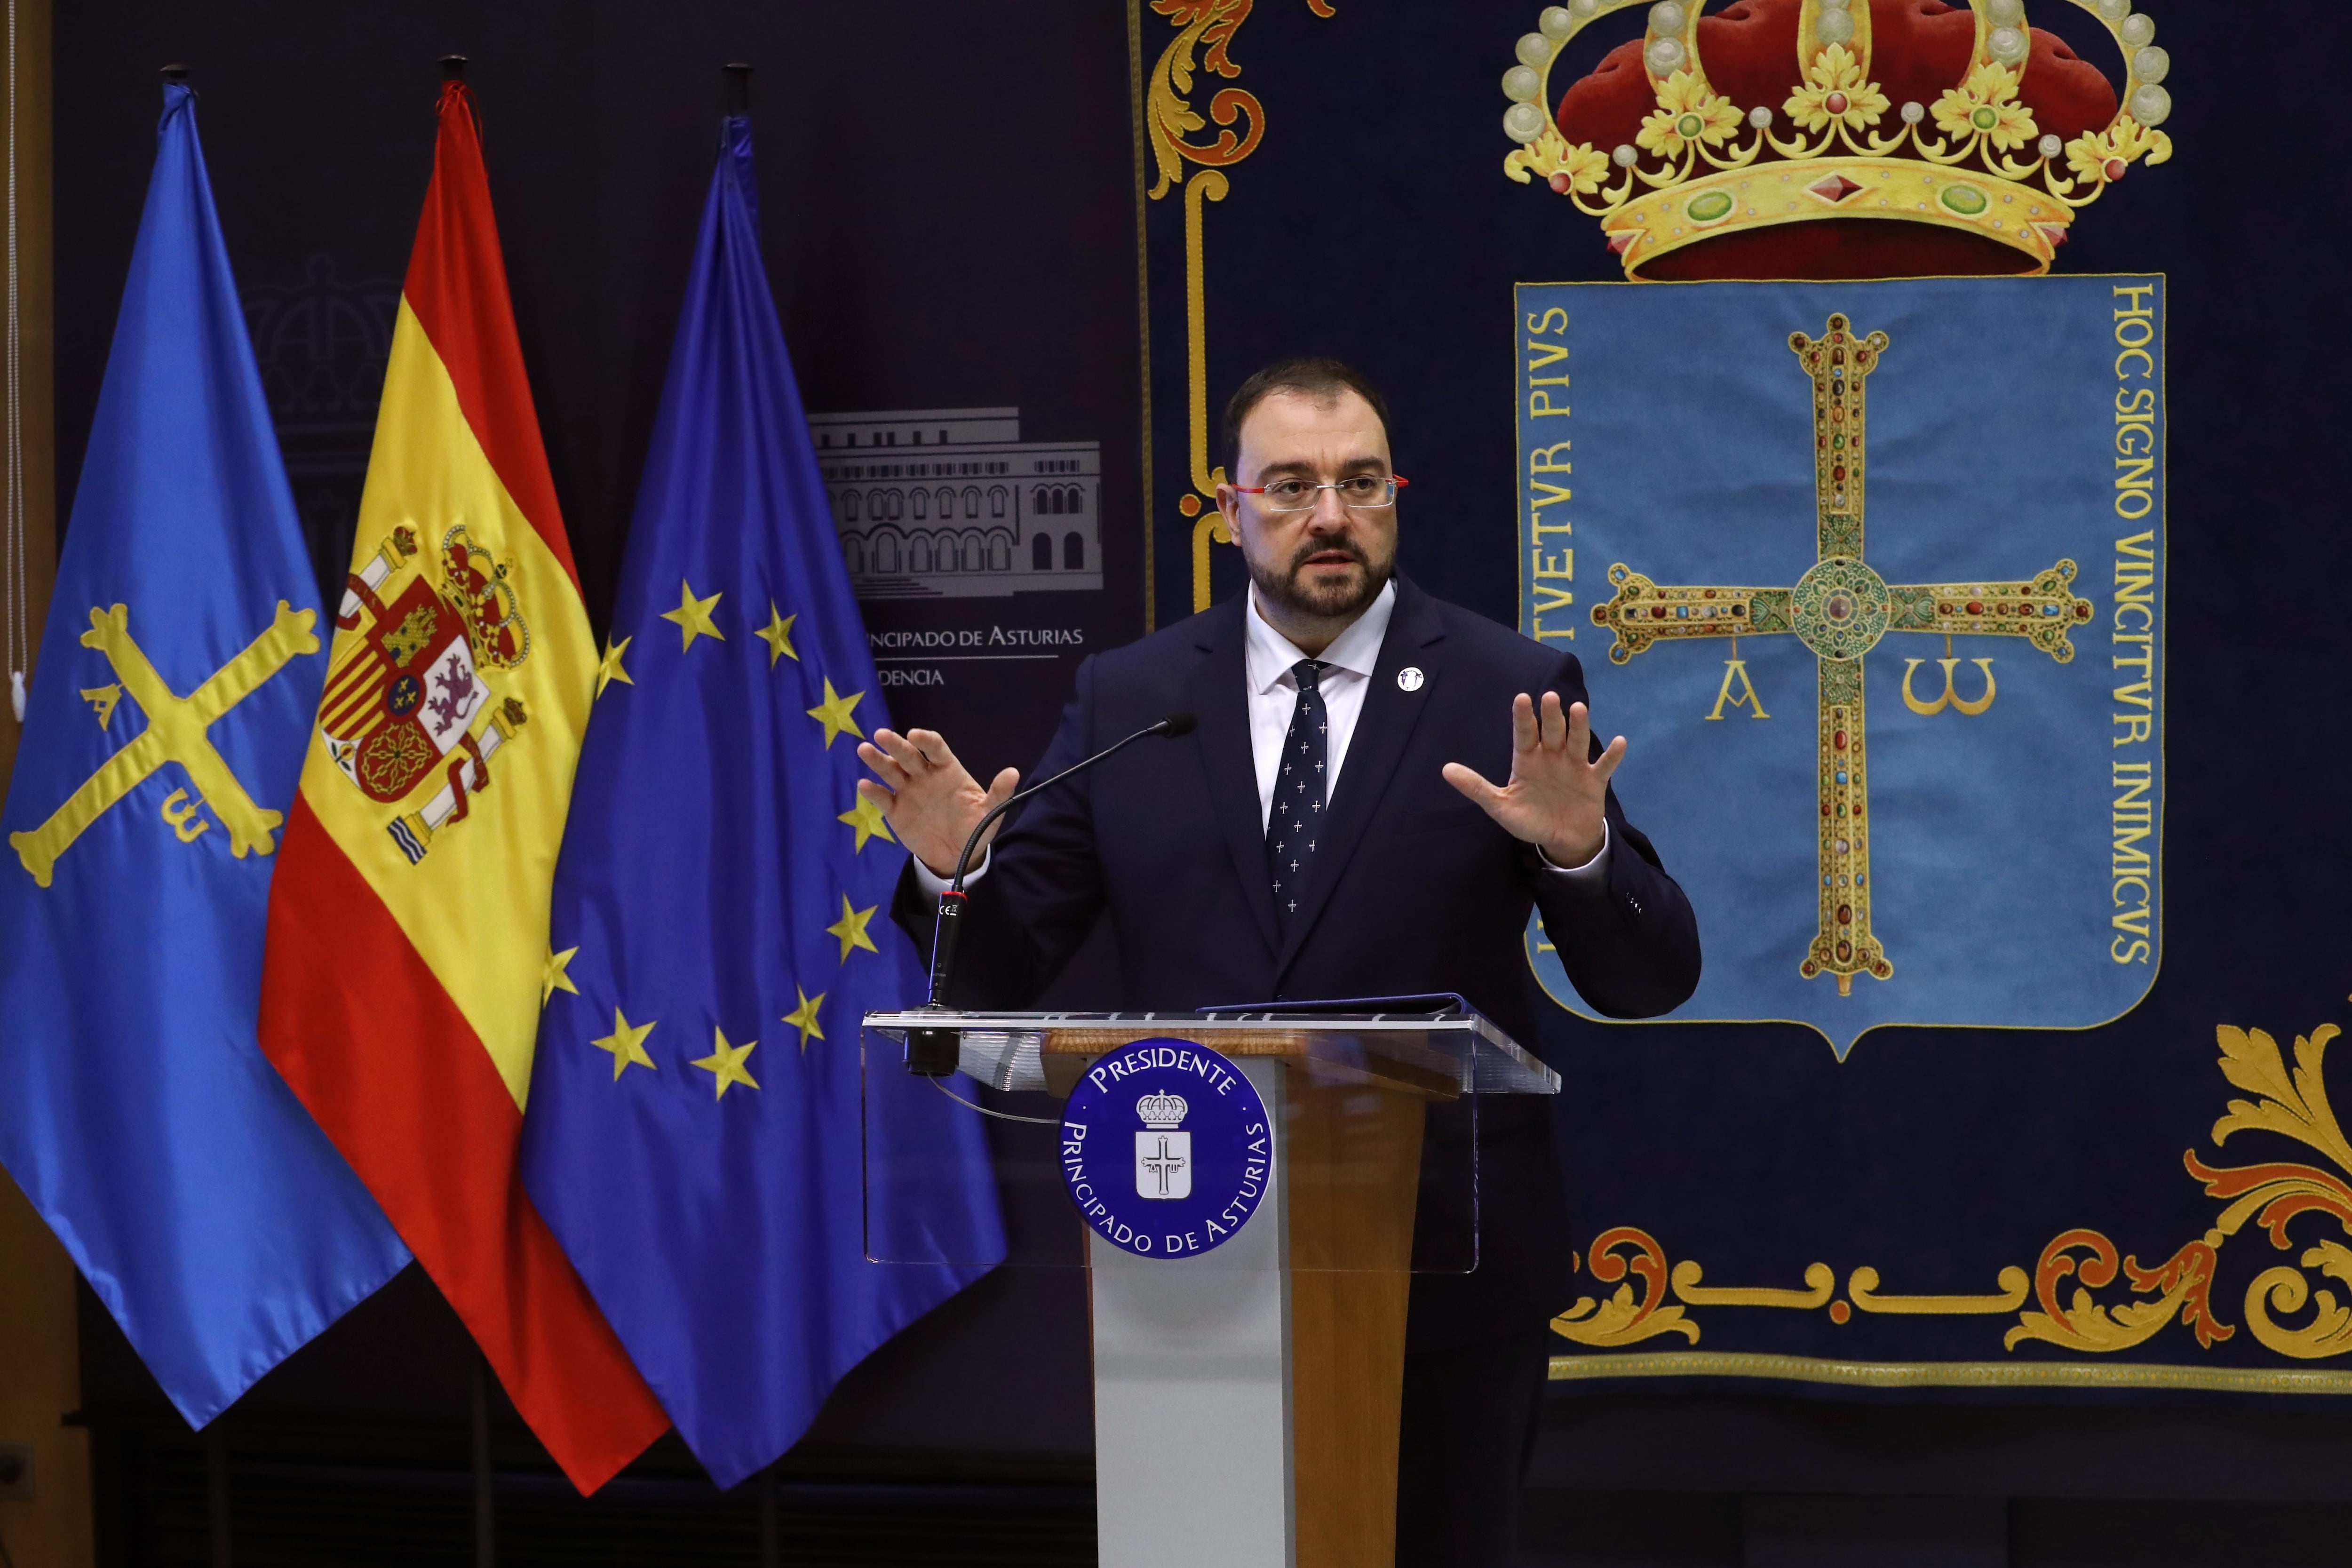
[[407, 956]]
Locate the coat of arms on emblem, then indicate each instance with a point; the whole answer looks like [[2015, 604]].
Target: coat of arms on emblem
[[1204, 1182], [406, 701], [1163, 1155]]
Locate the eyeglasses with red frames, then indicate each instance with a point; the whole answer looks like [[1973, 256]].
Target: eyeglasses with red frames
[[1358, 493]]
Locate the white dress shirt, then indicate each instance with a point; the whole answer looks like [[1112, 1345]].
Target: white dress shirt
[[1270, 658]]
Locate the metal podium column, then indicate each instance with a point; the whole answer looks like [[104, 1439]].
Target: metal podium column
[[1193, 1390]]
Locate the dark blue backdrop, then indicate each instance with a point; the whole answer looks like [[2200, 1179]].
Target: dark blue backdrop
[[951, 204]]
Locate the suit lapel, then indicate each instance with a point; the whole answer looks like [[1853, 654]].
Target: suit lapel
[[1221, 703], [1383, 730]]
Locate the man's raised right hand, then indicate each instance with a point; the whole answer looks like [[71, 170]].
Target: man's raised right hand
[[931, 802]]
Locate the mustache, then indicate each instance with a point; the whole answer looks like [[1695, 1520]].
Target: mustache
[[1344, 545]]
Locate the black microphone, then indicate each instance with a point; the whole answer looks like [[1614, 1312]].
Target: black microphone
[[934, 1052]]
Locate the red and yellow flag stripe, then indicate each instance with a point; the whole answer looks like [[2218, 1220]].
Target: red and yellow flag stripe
[[408, 936]]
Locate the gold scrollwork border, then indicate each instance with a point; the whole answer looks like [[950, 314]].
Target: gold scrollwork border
[[1165, 122], [1950, 1373], [1143, 312], [2290, 1102]]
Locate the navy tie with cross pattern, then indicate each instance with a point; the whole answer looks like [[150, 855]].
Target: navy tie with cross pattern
[[1294, 824]]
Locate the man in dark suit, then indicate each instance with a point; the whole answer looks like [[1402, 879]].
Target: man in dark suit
[[1329, 830]]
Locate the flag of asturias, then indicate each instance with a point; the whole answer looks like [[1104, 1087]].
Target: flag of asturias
[[165, 734], [720, 919], [408, 927]]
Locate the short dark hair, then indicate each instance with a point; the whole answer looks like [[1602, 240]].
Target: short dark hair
[[1313, 376]]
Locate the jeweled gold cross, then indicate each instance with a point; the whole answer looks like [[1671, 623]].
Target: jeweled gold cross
[[1840, 609], [175, 733]]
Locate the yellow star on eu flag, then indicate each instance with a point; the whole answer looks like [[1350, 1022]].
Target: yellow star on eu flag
[[867, 818], [804, 1017], [778, 634], [552, 978], [725, 1064], [851, 929], [608, 668], [833, 714], [692, 617], [627, 1044]]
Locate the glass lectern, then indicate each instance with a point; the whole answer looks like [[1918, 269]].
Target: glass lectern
[[1247, 1388]]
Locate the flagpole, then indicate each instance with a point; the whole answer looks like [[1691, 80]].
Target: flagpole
[[486, 1528], [735, 89], [17, 652], [216, 1495]]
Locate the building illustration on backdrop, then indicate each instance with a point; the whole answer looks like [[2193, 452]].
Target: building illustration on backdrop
[[952, 503]]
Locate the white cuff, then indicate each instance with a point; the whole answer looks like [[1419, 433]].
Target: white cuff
[[1593, 873], [934, 884]]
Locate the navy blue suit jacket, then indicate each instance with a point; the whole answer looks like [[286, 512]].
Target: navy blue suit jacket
[[1416, 889]]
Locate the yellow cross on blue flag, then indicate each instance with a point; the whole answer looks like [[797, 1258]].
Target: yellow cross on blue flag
[[179, 672], [720, 919]]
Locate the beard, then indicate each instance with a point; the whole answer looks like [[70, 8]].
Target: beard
[[1327, 601]]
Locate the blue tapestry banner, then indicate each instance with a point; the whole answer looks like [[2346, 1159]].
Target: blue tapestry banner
[[1891, 612], [2071, 1129]]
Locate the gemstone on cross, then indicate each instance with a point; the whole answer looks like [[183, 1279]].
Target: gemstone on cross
[[1840, 609]]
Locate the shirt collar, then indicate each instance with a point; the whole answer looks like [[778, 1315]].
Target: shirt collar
[[1357, 650]]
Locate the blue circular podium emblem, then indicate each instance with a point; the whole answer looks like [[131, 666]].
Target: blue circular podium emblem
[[1165, 1148]]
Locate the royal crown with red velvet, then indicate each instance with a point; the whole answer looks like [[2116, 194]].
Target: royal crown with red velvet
[[1836, 138]]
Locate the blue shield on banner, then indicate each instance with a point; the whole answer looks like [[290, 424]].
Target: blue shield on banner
[[1873, 576]]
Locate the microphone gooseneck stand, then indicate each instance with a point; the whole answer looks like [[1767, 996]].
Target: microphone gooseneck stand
[[932, 1052]]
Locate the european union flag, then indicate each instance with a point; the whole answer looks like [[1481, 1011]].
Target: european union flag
[[721, 918], [177, 681]]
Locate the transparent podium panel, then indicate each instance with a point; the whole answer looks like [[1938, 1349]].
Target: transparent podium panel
[[1353, 1138]]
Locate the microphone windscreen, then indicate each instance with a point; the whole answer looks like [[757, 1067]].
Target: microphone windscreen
[[1177, 724]]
